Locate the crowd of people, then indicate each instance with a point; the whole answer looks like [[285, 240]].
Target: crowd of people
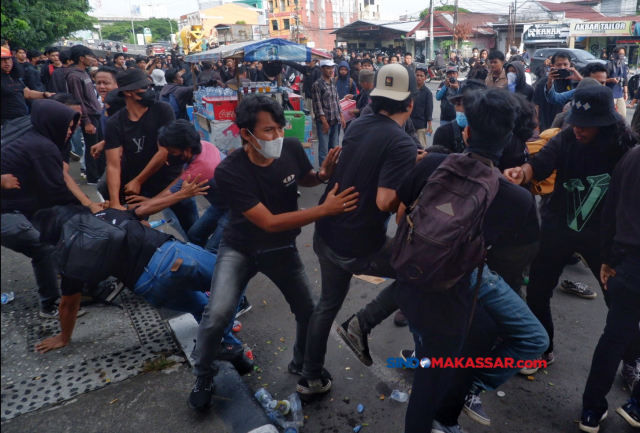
[[470, 226]]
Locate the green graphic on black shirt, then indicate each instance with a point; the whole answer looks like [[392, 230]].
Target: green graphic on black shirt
[[579, 210]]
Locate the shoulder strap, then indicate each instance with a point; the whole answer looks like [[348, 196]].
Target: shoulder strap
[[457, 137]]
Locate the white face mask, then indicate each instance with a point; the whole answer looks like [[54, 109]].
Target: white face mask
[[511, 77], [269, 149]]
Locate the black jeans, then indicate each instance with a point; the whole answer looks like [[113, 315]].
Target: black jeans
[[556, 248], [510, 262], [336, 278], [619, 332], [94, 167], [232, 273]]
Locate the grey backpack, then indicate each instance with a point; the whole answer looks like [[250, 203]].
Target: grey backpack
[[440, 238]]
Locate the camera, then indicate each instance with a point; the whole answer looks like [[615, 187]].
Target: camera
[[563, 73], [452, 80]]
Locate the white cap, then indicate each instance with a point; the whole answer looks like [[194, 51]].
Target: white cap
[[393, 82], [158, 77], [327, 63]]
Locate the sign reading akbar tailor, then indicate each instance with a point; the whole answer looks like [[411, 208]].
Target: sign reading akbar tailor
[[604, 28]]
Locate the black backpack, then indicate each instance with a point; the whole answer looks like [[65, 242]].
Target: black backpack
[[89, 248], [14, 129]]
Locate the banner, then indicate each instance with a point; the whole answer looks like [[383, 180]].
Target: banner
[[606, 28], [546, 32]]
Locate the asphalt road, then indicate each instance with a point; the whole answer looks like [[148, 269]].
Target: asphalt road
[[156, 402]]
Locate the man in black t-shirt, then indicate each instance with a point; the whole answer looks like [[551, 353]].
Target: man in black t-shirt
[[260, 183], [377, 155], [134, 132]]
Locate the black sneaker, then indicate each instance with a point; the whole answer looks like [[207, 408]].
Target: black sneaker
[[298, 371], [244, 307], [590, 422], [105, 292], [355, 339], [631, 374], [234, 353], [630, 412], [473, 408], [399, 319], [313, 386], [201, 396], [407, 353], [52, 312], [577, 289]]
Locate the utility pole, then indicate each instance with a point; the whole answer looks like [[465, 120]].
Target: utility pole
[[133, 31], [431, 31], [455, 24]]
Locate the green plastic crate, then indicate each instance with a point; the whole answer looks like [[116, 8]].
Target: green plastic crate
[[295, 125]]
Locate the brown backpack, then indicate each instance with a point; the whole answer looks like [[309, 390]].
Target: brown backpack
[[534, 145]]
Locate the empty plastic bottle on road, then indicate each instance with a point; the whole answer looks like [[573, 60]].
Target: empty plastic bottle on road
[[157, 223], [8, 297], [399, 396], [296, 410]]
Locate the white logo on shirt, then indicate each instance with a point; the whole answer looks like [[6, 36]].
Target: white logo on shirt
[[139, 142], [289, 179]]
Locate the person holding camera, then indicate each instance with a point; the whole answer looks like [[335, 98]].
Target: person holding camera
[[448, 89], [479, 69]]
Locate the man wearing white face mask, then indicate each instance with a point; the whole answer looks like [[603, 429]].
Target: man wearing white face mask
[[260, 183]]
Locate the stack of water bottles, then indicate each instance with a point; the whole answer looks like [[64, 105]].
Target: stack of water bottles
[[206, 96], [276, 410]]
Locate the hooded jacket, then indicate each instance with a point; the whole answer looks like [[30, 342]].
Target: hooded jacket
[[521, 82], [32, 77], [36, 160], [79, 84], [345, 85], [183, 94]]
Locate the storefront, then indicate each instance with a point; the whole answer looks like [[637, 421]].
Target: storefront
[[596, 35], [545, 36]]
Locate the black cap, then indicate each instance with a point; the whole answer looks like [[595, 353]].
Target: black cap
[[467, 86], [132, 79], [593, 106]]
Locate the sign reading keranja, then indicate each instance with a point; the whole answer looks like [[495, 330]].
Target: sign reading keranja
[[546, 32], [606, 28]]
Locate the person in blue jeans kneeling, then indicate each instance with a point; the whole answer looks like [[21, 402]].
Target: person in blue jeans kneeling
[[165, 272]]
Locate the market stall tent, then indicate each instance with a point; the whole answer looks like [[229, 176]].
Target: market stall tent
[[262, 51]]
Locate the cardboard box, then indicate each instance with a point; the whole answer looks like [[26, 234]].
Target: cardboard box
[[347, 106]]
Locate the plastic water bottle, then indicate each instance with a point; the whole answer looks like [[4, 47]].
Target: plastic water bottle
[[296, 410], [8, 297], [264, 397], [157, 223], [399, 396]]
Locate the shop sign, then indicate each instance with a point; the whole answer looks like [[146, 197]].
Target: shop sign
[[606, 28], [546, 32]]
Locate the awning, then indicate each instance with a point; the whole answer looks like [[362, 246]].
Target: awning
[[261, 51]]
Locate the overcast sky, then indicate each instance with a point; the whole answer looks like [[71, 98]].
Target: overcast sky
[[175, 8]]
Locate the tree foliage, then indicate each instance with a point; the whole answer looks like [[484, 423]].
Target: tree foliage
[[121, 30], [446, 8], [38, 23]]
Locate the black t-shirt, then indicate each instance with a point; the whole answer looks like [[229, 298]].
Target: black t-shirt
[[547, 111], [13, 102], [244, 185], [582, 180], [140, 246], [139, 141], [377, 153]]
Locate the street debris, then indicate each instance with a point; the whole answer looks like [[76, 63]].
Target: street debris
[[399, 396], [360, 408]]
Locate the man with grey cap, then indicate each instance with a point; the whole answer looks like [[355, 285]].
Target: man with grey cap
[[376, 155]]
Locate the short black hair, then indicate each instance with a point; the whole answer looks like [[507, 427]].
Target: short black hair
[[65, 98], [32, 54], [50, 50], [490, 113], [207, 65], [438, 148], [180, 134], [171, 75], [130, 64], [247, 111], [526, 121], [408, 54], [368, 61], [616, 50], [496, 55], [594, 67], [49, 221], [116, 55], [357, 62], [64, 57], [474, 49], [397, 59], [140, 58], [561, 55], [390, 106], [242, 69], [379, 55], [20, 48], [108, 69], [78, 51]]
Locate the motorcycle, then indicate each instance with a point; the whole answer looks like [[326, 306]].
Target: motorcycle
[[464, 67], [438, 74]]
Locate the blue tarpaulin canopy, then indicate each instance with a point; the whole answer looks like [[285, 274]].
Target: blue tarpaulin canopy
[[261, 51]]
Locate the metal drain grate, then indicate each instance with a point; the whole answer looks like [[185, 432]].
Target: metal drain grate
[[31, 381]]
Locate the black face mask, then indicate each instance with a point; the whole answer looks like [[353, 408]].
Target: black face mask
[[148, 98]]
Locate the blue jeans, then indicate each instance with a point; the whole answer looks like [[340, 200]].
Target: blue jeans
[[620, 334], [233, 272], [326, 142], [176, 278], [207, 230], [77, 146], [184, 213]]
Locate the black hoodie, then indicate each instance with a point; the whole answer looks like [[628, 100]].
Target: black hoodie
[[521, 82], [36, 161]]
